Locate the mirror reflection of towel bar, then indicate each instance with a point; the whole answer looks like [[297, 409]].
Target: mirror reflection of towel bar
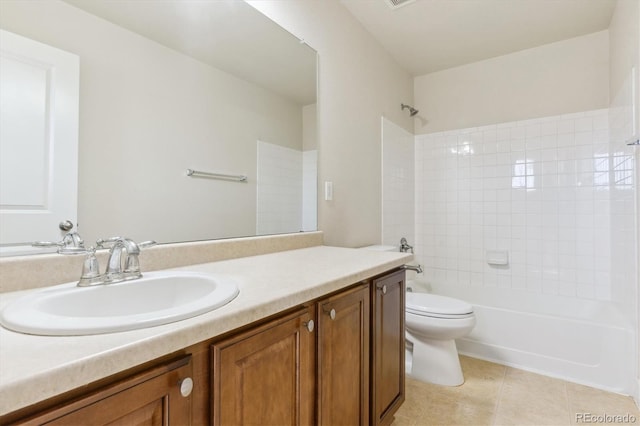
[[236, 178]]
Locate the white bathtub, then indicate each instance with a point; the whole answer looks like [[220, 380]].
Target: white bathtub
[[578, 340]]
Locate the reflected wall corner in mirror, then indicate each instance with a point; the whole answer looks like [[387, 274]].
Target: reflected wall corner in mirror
[[164, 87]]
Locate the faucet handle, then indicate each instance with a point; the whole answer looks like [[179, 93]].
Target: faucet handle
[[103, 242], [45, 244], [90, 270], [132, 263], [146, 244], [71, 243]]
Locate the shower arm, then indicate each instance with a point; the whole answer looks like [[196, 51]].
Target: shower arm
[[412, 110]]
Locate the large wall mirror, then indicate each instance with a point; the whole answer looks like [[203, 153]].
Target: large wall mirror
[[171, 85]]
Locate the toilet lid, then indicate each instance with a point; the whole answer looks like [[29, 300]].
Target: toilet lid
[[427, 304]]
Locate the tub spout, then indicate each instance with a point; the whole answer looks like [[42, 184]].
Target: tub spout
[[416, 268]]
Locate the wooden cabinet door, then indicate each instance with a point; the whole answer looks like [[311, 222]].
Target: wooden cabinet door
[[149, 398], [388, 343], [343, 358], [265, 376]]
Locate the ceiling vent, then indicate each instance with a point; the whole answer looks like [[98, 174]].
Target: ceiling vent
[[396, 4]]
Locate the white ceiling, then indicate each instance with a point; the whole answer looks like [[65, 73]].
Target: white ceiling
[[431, 35]]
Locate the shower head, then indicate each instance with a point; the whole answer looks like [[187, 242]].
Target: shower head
[[412, 110]]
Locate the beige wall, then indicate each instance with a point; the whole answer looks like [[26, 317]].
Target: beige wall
[[563, 77], [147, 114], [358, 83]]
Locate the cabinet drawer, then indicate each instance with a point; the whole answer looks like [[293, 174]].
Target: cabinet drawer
[[151, 398]]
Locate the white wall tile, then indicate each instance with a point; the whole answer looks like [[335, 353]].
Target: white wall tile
[[541, 189], [622, 212], [279, 189]]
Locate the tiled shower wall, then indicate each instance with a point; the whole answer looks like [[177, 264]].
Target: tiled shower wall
[[309, 190], [286, 189], [539, 189], [622, 199]]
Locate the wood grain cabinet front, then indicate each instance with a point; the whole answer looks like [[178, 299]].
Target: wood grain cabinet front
[[266, 376], [270, 375], [388, 347], [336, 360], [159, 396], [343, 358]]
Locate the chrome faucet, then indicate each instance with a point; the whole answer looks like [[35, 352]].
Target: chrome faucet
[[115, 271], [72, 243], [404, 248], [416, 268], [131, 270]]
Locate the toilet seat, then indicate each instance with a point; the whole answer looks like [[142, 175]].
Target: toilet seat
[[431, 305]]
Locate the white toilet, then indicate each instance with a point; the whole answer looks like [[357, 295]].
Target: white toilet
[[432, 324]]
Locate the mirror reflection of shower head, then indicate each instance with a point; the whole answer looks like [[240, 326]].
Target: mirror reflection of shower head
[[412, 110]]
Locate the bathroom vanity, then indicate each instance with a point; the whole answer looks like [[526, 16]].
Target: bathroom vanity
[[315, 336]]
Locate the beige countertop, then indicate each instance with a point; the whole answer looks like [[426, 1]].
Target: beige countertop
[[34, 368]]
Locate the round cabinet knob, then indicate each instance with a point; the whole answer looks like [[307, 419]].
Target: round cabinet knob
[[384, 289], [310, 325], [332, 314], [186, 386]]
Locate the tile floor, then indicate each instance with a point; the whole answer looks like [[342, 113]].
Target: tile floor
[[497, 395]]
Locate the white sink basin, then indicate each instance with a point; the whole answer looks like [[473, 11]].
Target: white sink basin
[[156, 298]]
